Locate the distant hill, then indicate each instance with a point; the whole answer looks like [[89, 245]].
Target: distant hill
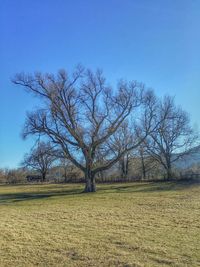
[[190, 159]]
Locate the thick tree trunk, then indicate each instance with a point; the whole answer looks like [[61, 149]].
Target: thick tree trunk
[[127, 166], [169, 170], [143, 166], [122, 168], [43, 176], [143, 174], [124, 162], [143, 169], [90, 185], [169, 173]]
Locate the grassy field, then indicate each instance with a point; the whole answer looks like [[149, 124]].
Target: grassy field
[[133, 224]]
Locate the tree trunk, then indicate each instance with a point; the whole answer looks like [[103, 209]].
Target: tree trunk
[[127, 165], [90, 185], [169, 173], [124, 167], [169, 170], [43, 176], [143, 169], [143, 176]]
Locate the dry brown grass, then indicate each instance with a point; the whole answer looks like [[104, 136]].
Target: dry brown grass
[[152, 224]]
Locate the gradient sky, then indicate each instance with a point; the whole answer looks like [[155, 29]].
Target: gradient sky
[[155, 42]]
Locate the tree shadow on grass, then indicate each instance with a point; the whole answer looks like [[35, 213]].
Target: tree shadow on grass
[[23, 196], [150, 186], [146, 187]]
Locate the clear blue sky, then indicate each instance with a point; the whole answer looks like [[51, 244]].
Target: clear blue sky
[[156, 42]]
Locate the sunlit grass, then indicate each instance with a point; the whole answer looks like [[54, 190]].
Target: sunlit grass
[[150, 224]]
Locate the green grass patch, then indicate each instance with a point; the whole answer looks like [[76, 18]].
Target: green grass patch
[[131, 224]]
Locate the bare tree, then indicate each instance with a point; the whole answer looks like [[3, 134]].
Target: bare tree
[[40, 159], [81, 113], [141, 150], [67, 167], [121, 141], [147, 162], [173, 138], [126, 139]]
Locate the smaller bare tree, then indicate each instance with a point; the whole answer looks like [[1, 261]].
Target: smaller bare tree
[[40, 159], [174, 137], [121, 141], [147, 162]]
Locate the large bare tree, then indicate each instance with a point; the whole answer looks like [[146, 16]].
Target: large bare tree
[[40, 158], [81, 114], [174, 137]]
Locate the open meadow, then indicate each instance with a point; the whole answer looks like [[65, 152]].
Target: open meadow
[[132, 224]]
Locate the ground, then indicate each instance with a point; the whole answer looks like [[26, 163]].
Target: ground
[[132, 224]]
